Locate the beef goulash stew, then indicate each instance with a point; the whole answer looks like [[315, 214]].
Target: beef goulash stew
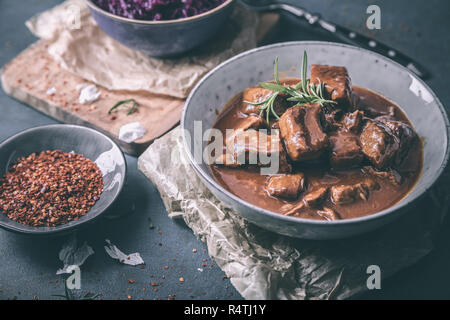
[[344, 152]]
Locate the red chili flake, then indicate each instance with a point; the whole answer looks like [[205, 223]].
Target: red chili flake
[[154, 284], [131, 281], [166, 267], [50, 188]]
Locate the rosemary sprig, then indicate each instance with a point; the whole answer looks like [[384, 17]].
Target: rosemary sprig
[[302, 93], [266, 106], [131, 110]]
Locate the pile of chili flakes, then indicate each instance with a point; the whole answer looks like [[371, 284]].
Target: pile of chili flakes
[[50, 188]]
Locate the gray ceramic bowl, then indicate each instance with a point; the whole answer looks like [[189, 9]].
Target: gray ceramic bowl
[[368, 70], [88, 142], [162, 38]]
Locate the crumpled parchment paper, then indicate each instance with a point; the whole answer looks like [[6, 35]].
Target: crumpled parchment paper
[[72, 255], [132, 259], [92, 55], [264, 265]]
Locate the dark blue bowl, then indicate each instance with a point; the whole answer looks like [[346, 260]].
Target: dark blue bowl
[[90, 143], [162, 38]]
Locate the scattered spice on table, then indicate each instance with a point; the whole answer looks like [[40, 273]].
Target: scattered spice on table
[[50, 188]]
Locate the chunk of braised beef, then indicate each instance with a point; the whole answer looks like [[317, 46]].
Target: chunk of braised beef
[[275, 125], [244, 124], [286, 186], [314, 199], [345, 194], [378, 144], [283, 162], [251, 122], [329, 214], [254, 147], [406, 135], [345, 150], [253, 94], [391, 175], [375, 113], [280, 105], [302, 132], [353, 121], [337, 83], [332, 119]]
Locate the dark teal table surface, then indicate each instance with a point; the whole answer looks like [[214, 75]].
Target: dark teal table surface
[[28, 265]]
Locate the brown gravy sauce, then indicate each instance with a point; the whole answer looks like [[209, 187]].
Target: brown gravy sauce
[[248, 184]]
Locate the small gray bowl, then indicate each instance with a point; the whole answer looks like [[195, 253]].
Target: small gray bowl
[[90, 143], [166, 38], [368, 70]]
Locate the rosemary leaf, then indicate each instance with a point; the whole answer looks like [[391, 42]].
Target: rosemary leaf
[[257, 103], [277, 80], [304, 71], [131, 110], [273, 87]]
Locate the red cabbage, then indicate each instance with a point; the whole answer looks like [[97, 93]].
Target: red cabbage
[[155, 10]]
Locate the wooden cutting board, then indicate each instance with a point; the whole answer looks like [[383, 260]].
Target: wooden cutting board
[[29, 76]]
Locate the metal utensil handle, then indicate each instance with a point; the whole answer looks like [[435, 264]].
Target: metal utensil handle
[[373, 45], [354, 38]]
